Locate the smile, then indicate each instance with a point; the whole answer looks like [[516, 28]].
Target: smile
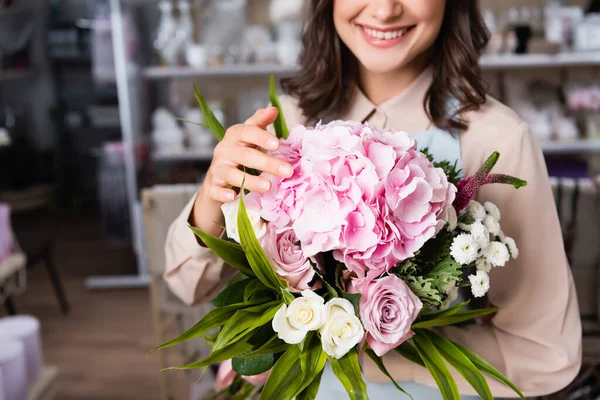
[[387, 35]]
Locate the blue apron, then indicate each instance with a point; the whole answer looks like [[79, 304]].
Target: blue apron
[[442, 146]]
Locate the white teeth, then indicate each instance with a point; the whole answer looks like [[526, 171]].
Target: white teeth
[[385, 35]]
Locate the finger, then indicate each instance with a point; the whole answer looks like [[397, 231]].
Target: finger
[[263, 117], [222, 195], [252, 158], [237, 178], [255, 136]]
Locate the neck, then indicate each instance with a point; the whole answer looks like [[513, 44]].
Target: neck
[[380, 87]]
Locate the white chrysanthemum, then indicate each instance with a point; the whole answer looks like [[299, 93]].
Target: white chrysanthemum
[[492, 210], [464, 249], [501, 236], [483, 265], [512, 247], [480, 283], [465, 227], [452, 219], [497, 254], [481, 235], [492, 224], [452, 296], [476, 210]]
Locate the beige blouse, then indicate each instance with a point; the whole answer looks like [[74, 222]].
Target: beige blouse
[[535, 338]]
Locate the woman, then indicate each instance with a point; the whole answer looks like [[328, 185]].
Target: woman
[[412, 65]]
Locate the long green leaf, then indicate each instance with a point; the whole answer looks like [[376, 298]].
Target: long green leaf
[[436, 366], [272, 346], [209, 117], [281, 129], [409, 352], [232, 294], [253, 366], [486, 367], [446, 313], [461, 363], [313, 359], [256, 256], [347, 369], [244, 321], [379, 362], [228, 352], [214, 319], [454, 319], [231, 253], [311, 391], [284, 382]]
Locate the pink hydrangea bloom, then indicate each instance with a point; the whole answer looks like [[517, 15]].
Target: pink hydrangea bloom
[[364, 193]]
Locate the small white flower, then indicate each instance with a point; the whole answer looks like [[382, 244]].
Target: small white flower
[[480, 284], [481, 235], [501, 236], [492, 210], [452, 296], [476, 210], [492, 224], [512, 247], [230, 212], [293, 322], [465, 227], [452, 219], [483, 265], [342, 330], [464, 249], [497, 254]]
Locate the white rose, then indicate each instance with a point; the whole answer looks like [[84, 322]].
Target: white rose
[[230, 212], [343, 329], [293, 322]]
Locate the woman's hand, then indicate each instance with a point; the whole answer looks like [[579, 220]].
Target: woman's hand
[[241, 147]]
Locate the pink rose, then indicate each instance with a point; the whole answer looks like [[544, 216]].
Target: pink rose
[[387, 310], [287, 257], [257, 380]]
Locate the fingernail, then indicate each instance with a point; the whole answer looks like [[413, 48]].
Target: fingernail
[[264, 185], [272, 143], [229, 196], [285, 170]]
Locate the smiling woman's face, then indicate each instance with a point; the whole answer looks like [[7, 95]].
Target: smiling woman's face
[[388, 35]]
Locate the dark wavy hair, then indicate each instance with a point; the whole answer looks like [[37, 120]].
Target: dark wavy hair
[[329, 71]]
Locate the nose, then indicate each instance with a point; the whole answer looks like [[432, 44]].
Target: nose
[[385, 10]]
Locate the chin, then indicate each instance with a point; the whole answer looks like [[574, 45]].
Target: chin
[[384, 64]]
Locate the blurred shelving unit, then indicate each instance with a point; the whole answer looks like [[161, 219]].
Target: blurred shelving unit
[[157, 73], [185, 156], [529, 61], [582, 146]]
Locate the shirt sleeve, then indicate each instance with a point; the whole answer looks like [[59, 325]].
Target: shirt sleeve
[[535, 338], [193, 272]]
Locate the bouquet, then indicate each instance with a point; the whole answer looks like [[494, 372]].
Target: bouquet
[[360, 252]]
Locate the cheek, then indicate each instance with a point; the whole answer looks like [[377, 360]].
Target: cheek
[[429, 14], [344, 12]]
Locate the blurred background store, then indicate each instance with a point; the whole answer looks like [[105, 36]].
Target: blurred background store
[[96, 161]]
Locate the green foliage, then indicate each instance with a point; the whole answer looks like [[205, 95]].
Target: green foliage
[[231, 253], [348, 371], [255, 365], [209, 117], [281, 129], [232, 294], [379, 362], [451, 170], [436, 366]]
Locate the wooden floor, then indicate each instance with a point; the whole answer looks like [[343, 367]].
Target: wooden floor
[[101, 346]]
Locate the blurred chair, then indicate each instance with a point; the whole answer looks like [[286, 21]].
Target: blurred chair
[[162, 204]]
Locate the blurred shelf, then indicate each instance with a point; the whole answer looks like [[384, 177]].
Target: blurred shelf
[[185, 156], [571, 147], [14, 74], [561, 60], [230, 71]]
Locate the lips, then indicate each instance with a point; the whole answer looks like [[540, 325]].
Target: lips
[[384, 37]]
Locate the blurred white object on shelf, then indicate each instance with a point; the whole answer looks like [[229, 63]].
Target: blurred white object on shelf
[[26, 330], [587, 34], [13, 369], [289, 45], [195, 56], [284, 10], [257, 45], [166, 42], [167, 136], [184, 32], [199, 137]]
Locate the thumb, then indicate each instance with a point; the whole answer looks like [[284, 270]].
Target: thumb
[[263, 118]]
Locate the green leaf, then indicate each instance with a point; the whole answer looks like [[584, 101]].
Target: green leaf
[[311, 391], [253, 366], [281, 129], [486, 367], [256, 256], [232, 294], [330, 289], [461, 363], [347, 369], [353, 298], [245, 321], [231, 253], [233, 350], [436, 367], [211, 339], [445, 313], [274, 345], [379, 362], [409, 352], [312, 360], [284, 382], [214, 319], [454, 319], [256, 289], [209, 117]]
